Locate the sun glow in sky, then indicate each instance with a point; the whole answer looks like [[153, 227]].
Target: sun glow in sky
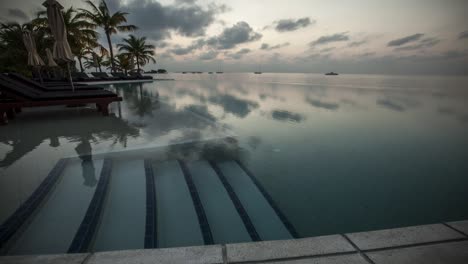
[[366, 36]]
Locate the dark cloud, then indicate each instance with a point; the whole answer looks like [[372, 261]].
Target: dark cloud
[[236, 106], [209, 55], [266, 46], [321, 104], [424, 43], [17, 13], [197, 44], [233, 36], [156, 21], [239, 54], [389, 104], [330, 38], [357, 43], [286, 25], [283, 115], [463, 35], [405, 40]]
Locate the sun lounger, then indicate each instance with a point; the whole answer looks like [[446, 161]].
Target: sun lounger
[[138, 75], [16, 96], [49, 87], [104, 76], [122, 76]]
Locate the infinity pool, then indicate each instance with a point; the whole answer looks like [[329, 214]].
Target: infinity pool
[[227, 158]]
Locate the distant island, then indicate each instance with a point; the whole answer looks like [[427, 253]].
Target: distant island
[[331, 73]]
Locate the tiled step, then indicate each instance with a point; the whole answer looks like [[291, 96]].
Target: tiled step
[[225, 223], [54, 225], [122, 225], [177, 223], [269, 223]]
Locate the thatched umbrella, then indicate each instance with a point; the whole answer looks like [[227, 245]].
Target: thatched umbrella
[[34, 59], [62, 51]]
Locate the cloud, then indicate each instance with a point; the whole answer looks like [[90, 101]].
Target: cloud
[[286, 25], [463, 35], [157, 21], [231, 37], [209, 55], [239, 54], [284, 115], [357, 43], [405, 40], [17, 13], [179, 50], [424, 43], [330, 38], [322, 104], [266, 46]]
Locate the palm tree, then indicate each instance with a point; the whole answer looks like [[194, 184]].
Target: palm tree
[[138, 49], [81, 34], [124, 63], [111, 23]]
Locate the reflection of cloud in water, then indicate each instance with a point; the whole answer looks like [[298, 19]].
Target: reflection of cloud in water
[[322, 104], [234, 105], [451, 112], [254, 142], [389, 104], [283, 115], [201, 110]]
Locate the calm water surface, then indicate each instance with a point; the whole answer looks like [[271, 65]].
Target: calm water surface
[[336, 153]]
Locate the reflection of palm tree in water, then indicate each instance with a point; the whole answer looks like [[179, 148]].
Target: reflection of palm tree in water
[[84, 151], [143, 102]]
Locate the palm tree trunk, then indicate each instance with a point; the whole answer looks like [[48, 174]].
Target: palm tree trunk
[[81, 64], [111, 51], [138, 63]]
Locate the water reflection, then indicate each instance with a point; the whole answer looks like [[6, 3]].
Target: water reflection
[[84, 151], [322, 104], [236, 106], [283, 115]]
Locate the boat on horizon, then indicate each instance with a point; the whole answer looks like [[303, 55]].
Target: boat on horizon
[[331, 73]]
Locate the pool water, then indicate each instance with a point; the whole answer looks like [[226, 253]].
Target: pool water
[[228, 158]]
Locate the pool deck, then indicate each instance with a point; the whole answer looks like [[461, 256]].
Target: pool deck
[[434, 243]]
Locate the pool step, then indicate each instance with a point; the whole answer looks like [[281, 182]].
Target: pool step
[[131, 204], [51, 229]]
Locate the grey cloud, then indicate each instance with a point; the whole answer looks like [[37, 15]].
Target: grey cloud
[[266, 46], [405, 40], [327, 50], [157, 21], [284, 115], [197, 44], [17, 13], [322, 104], [209, 55], [233, 36], [285, 25], [424, 43], [463, 35], [330, 38], [239, 54], [357, 43]]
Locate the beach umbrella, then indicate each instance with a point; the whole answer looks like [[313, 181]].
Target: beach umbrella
[[62, 51], [50, 59], [33, 57]]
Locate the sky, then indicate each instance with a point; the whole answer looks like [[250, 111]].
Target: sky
[[366, 36]]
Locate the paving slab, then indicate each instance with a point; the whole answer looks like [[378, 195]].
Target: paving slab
[[348, 259], [279, 249], [403, 236], [44, 259], [460, 225], [191, 255], [453, 253]]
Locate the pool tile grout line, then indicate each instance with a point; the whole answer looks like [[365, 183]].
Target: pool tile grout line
[[201, 215], [313, 256], [237, 203], [224, 253], [454, 229], [416, 244], [357, 249], [151, 210], [270, 200], [21, 215], [86, 259], [87, 229]]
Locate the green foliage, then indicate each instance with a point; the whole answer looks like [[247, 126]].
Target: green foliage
[[137, 49]]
